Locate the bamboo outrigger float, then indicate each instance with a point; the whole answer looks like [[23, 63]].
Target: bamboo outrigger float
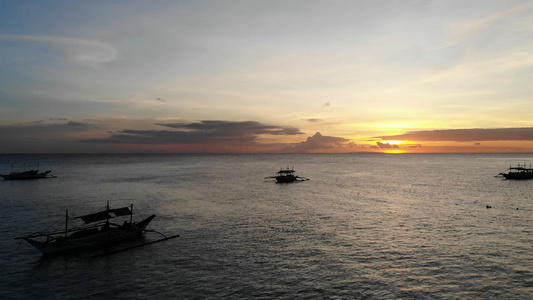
[[97, 231]]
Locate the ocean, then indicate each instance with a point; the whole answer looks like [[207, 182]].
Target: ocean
[[365, 226]]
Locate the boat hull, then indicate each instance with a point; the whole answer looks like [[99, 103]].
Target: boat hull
[[285, 179], [26, 175], [92, 240], [518, 176]]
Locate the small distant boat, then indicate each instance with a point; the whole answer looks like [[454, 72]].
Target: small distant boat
[[287, 176], [97, 231], [520, 172], [28, 173]]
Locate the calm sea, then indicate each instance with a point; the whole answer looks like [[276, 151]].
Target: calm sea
[[366, 226]]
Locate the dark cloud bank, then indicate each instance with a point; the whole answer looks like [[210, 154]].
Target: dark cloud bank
[[200, 132], [234, 133], [206, 134], [466, 135]]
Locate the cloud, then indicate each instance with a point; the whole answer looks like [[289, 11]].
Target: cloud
[[313, 120], [386, 145], [41, 132], [319, 141], [474, 27], [77, 124], [490, 45], [39, 129], [200, 132], [83, 51], [229, 127], [466, 135], [49, 136]]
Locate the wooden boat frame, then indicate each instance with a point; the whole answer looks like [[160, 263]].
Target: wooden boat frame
[[287, 176], [520, 172], [28, 173], [90, 236]]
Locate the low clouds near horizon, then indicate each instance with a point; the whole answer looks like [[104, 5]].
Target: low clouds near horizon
[[319, 141], [234, 136], [466, 135]]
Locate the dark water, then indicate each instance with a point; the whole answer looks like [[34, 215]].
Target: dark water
[[366, 226]]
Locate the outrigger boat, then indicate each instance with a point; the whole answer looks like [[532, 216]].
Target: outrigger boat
[[96, 232], [28, 173], [287, 175], [520, 172]]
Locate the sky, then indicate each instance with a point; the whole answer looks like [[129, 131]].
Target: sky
[[225, 76]]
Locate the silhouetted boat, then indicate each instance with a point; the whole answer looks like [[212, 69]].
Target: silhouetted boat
[[97, 231], [520, 172], [27, 173], [287, 175]]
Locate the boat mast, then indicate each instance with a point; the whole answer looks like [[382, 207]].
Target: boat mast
[[107, 210], [66, 222]]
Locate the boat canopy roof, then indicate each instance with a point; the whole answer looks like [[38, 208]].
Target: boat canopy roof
[[286, 171], [124, 211], [104, 215], [520, 169]]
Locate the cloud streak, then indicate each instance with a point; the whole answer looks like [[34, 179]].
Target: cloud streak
[[467, 29], [40, 129], [83, 51], [43, 136], [466, 135]]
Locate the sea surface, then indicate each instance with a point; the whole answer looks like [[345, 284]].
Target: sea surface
[[365, 226]]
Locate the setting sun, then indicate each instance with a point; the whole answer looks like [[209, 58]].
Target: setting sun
[[395, 151]]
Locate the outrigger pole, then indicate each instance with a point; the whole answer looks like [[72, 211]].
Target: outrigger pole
[[133, 247]]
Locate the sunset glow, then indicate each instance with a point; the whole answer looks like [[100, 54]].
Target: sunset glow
[[395, 151], [266, 76], [394, 142]]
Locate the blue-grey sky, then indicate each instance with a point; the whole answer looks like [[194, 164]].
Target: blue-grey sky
[[266, 76]]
